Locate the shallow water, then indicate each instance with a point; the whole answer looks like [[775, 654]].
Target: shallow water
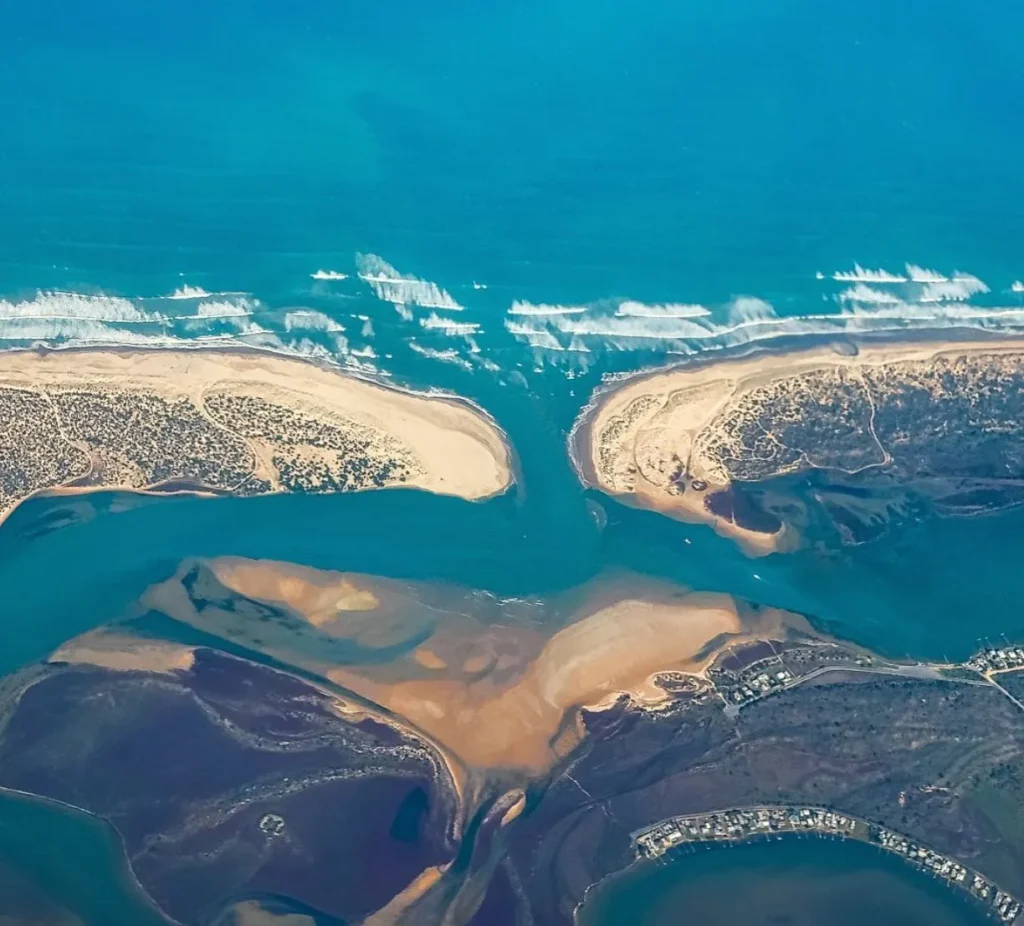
[[795, 881], [75, 859]]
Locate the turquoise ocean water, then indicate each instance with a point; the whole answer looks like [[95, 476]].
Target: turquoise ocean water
[[508, 201]]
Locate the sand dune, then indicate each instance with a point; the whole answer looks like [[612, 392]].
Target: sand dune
[[230, 422], [677, 441]]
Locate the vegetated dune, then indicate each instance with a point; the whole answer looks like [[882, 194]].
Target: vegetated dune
[[684, 441], [245, 423]]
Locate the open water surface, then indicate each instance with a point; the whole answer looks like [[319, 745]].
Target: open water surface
[[792, 881]]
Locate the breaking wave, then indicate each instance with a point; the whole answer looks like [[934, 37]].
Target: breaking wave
[[877, 301], [860, 275], [310, 320], [448, 355], [435, 322], [333, 275], [402, 289], [529, 308], [57, 319]]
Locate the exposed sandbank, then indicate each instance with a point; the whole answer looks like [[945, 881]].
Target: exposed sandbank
[[231, 422], [667, 440], [495, 689], [121, 652]]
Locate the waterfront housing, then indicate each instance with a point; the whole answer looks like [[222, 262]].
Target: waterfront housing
[[1001, 659], [750, 823]]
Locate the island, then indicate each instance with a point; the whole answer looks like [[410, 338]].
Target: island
[[230, 422], [878, 430]]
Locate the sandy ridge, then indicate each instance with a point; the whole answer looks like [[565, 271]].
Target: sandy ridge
[[623, 441], [436, 443]]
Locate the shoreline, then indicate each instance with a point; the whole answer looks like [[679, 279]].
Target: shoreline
[[445, 444], [214, 346], [634, 424], [127, 867], [780, 347]]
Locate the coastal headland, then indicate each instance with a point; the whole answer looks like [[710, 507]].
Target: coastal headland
[[889, 426], [230, 422]]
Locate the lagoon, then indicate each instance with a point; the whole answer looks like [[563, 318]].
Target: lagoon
[[796, 881]]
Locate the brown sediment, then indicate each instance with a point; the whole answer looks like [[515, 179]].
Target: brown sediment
[[515, 810], [389, 914], [494, 690], [122, 652], [228, 422], [678, 441]]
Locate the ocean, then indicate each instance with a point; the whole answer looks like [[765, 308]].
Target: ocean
[[512, 203]]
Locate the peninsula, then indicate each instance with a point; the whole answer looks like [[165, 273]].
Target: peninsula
[[882, 427], [244, 423]]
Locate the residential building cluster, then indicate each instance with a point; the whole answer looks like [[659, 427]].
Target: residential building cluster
[[746, 823], [742, 824], [1005, 907], [757, 683], [996, 660]]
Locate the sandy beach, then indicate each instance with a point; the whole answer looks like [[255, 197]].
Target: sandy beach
[[239, 422], [671, 440]]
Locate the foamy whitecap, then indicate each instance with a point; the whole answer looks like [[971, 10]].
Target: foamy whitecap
[[630, 309], [67, 320], [222, 309], [748, 320], [435, 322], [1017, 286], [860, 274], [310, 320], [868, 295], [958, 289], [74, 307], [402, 289], [924, 275], [448, 355], [530, 308], [329, 275], [189, 292]]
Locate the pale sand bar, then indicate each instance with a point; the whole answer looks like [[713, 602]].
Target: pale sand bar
[[122, 652], [230, 422], [672, 439], [504, 711]]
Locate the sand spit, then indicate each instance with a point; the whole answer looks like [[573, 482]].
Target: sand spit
[[230, 422], [677, 440], [252, 913], [497, 688], [389, 915], [122, 652]]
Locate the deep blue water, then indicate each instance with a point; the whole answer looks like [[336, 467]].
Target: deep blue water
[[559, 150]]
